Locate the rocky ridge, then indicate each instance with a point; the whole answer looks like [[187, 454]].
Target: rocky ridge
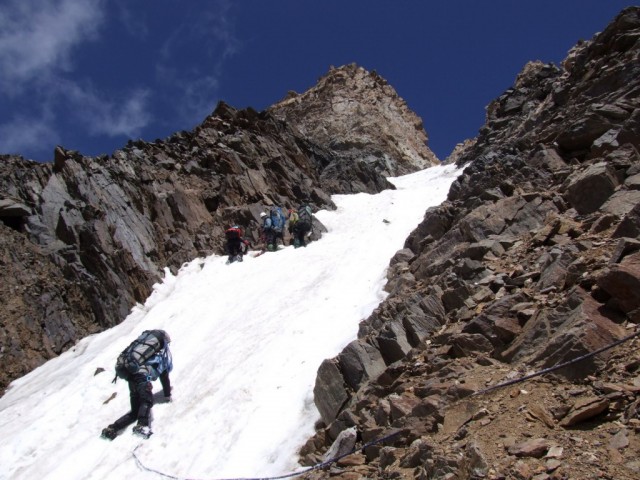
[[82, 239], [531, 262]]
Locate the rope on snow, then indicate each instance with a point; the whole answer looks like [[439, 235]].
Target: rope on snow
[[318, 466]]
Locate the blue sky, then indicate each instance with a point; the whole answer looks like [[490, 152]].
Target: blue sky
[[91, 74]]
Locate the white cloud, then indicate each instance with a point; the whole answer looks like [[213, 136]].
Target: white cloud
[[135, 24], [38, 36], [41, 75], [125, 115], [126, 118]]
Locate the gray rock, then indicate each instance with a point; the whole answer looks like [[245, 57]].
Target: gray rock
[[11, 208], [343, 444], [393, 342], [588, 190], [360, 361], [329, 392]]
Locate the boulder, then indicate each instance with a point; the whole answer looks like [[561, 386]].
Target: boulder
[[393, 342], [330, 392], [360, 361], [630, 224], [588, 190], [622, 283]]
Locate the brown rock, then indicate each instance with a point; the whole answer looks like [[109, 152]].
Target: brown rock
[[539, 412], [352, 460], [522, 471], [531, 448], [401, 406], [585, 409], [378, 124], [622, 283], [575, 328]]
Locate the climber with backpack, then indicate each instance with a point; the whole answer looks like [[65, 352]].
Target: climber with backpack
[[302, 226], [146, 359], [267, 235], [236, 245], [278, 221], [292, 219], [273, 227]]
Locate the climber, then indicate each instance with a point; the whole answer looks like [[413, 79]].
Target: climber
[[267, 234], [292, 219], [236, 245], [278, 221], [146, 359], [302, 224]]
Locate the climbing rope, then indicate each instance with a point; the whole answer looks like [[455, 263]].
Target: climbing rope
[[318, 466], [559, 366]]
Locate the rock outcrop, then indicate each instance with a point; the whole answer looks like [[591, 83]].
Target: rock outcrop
[[361, 118], [528, 264], [84, 239]]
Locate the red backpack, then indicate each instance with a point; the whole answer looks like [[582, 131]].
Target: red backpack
[[233, 233]]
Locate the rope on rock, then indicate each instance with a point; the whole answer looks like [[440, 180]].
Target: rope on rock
[[559, 366], [318, 466]]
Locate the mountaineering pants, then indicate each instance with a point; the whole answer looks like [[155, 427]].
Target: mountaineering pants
[[300, 230], [234, 247], [271, 237], [141, 398]]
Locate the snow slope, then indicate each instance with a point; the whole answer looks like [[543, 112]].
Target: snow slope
[[247, 340]]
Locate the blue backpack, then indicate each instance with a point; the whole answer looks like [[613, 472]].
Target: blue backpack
[[161, 362], [278, 219]]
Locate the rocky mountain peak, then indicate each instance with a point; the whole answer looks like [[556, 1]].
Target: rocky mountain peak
[[360, 117]]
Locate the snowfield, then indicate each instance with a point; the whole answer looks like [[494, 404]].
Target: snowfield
[[247, 341]]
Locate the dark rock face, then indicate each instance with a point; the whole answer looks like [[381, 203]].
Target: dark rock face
[[527, 265], [83, 239]]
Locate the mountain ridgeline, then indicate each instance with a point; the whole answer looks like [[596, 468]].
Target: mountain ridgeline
[[533, 260]]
